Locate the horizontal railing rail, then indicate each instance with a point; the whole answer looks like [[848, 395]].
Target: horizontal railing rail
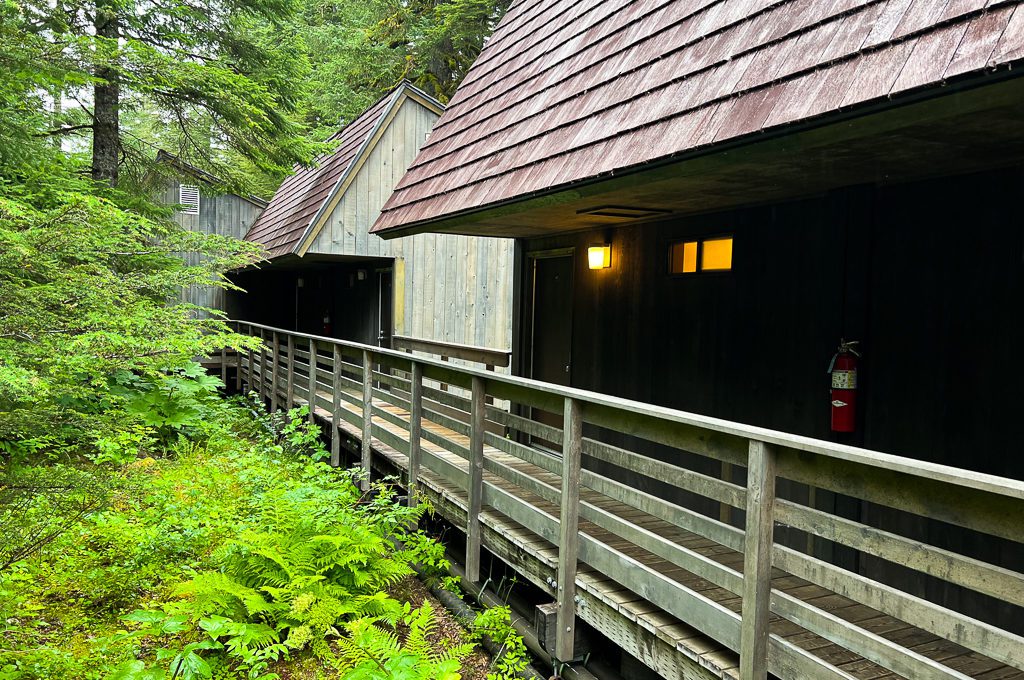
[[480, 355], [776, 604]]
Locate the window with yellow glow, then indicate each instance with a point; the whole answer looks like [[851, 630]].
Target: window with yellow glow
[[684, 257], [716, 255], [708, 255]]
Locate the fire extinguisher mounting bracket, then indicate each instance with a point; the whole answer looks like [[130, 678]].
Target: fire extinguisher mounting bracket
[[845, 347]]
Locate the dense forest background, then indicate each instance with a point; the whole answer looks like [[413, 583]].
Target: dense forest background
[[240, 88], [90, 90], [152, 527]]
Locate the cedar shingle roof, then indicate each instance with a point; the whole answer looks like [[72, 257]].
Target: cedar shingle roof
[[300, 198], [567, 91]]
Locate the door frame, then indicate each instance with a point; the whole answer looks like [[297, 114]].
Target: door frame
[[380, 273], [530, 317], [531, 260]]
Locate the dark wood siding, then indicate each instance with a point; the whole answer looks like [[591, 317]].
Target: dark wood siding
[[931, 287]]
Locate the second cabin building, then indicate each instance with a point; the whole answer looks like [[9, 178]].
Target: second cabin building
[[326, 274]]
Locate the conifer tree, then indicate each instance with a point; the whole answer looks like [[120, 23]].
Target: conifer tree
[[225, 75]]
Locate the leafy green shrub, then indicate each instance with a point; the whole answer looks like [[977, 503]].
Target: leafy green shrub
[[512, 657], [172, 402], [292, 431], [220, 559], [39, 504], [84, 290]]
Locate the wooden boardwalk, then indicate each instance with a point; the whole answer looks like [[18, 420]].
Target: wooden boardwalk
[[663, 582]]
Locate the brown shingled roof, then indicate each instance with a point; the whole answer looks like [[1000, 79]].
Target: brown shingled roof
[[301, 197], [567, 91]]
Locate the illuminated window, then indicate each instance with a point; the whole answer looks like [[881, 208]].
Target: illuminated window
[[716, 255], [708, 255], [684, 257]]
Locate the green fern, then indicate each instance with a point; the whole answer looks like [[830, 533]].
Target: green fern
[[310, 572], [372, 650], [217, 593]]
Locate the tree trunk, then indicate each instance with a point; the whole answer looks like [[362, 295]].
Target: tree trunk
[[106, 132]]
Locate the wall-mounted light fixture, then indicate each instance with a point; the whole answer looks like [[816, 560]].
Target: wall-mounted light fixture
[[599, 256]]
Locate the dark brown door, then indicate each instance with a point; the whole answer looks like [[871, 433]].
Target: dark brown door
[[551, 329]]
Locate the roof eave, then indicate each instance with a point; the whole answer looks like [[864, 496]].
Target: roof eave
[[474, 221]]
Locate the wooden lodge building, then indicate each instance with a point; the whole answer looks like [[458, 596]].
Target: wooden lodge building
[[203, 206], [771, 178], [707, 198], [327, 275]]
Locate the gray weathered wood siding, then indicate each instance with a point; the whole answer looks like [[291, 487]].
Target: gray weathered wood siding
[[224, 214], [448, 288]]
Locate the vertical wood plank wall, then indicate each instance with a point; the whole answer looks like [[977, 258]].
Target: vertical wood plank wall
[[455, 288], [225, 214]]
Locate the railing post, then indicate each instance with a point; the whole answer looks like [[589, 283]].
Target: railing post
[[568, 531], [238, 363], [367, 451], [290, 390], [263, 368], [757, 561], [415, 424], [224, 365], [476, 480], [311, 397], [275, 359], [336, 406]]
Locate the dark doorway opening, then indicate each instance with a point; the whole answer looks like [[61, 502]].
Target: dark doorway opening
[[385, 315], [550, 316], [346, 298]]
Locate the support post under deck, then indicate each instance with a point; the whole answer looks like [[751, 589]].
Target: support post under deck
[[367, 451], [476, 480], [290, 390], [311, 396], [568, 531], [336, 406], [275, 352], [415, 425], [757, 561]]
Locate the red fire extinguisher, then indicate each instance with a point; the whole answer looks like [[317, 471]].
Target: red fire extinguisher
[[843, 369], [327, 325]]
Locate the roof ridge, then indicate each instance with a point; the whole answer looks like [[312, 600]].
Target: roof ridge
[[770, 6], [398, 97], [203, 175], [304, 179]]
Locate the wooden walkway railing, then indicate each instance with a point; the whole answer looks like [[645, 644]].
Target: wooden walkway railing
[[768, 607]]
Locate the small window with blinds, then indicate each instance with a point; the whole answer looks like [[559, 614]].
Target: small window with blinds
[[188, 197]]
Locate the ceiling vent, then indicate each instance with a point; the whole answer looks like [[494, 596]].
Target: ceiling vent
[[622, 212]]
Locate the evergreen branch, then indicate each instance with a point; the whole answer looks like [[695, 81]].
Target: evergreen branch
[[65, 130]]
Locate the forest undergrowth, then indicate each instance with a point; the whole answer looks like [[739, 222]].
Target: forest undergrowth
[[227, 551]]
